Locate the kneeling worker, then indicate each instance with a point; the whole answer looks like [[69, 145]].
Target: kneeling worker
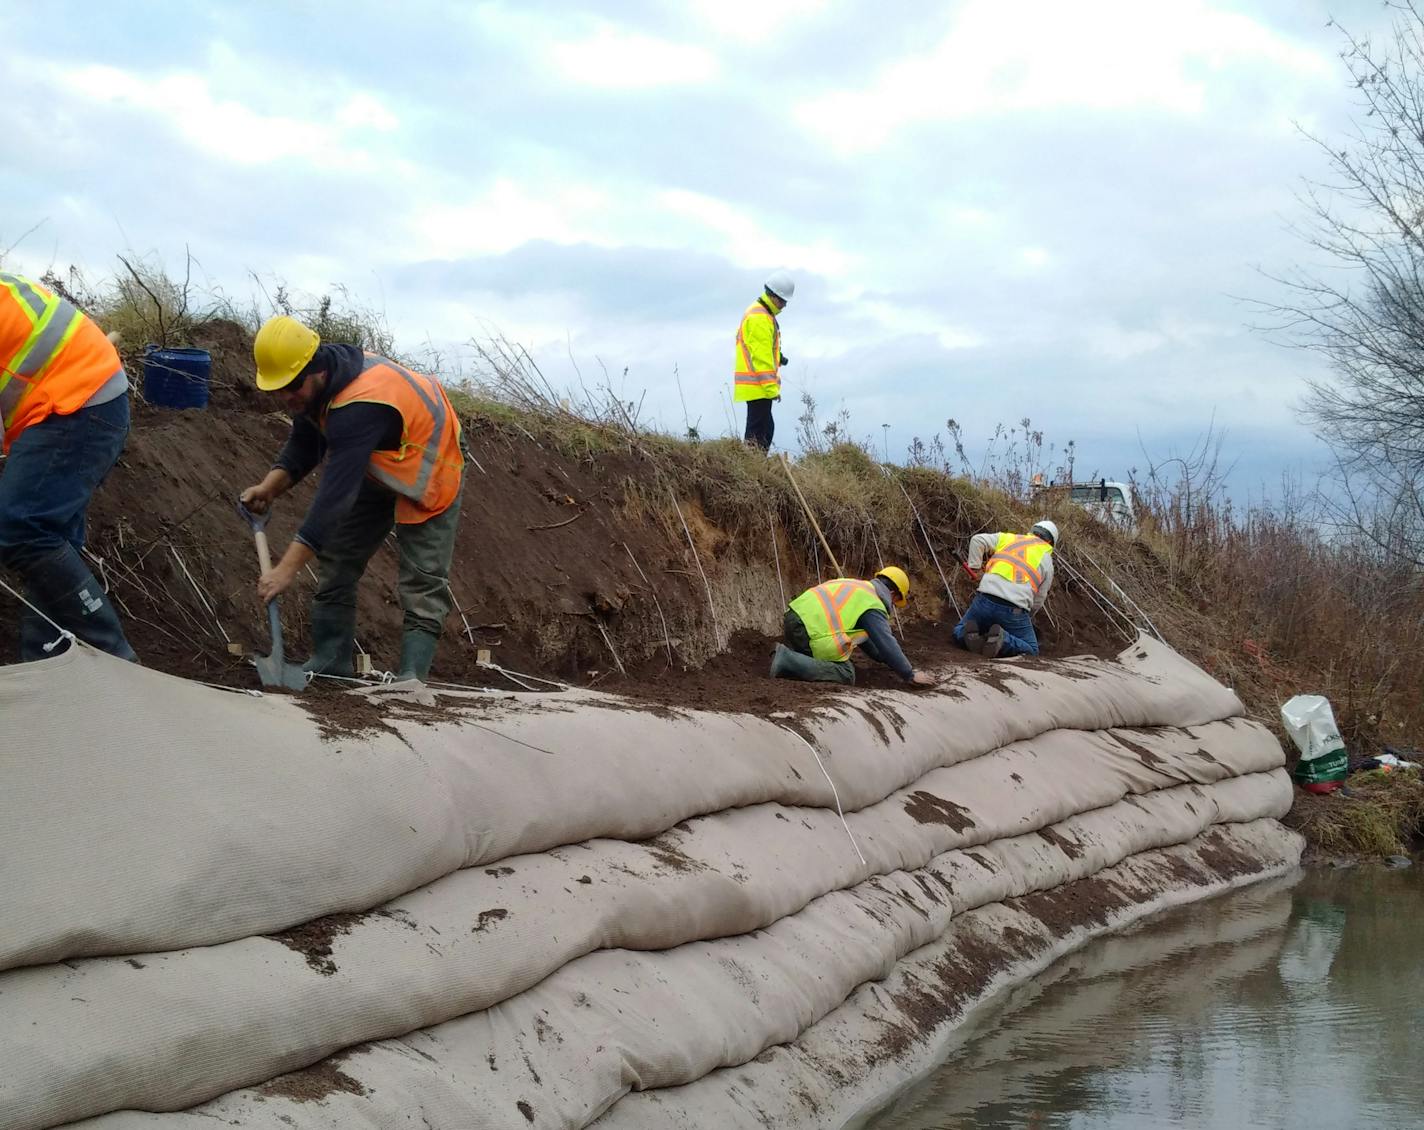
[[826, 623], [391, 442], [1012, 586]]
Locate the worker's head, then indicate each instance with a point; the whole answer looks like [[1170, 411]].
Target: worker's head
[[899, 583], [780, 288], [1046, 530], [285, 352]]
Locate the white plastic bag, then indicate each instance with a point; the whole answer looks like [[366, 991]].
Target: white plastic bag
[[1311, 725]]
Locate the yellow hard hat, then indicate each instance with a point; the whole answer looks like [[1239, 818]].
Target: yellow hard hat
[[896, 576], [282, 348]]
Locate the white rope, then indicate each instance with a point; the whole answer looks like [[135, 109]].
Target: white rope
[[64, 634], [776, 552], [711, 607], [203, 600], [839, 811], [926, 535], [1119, 589], [899, 627], [521, 675], [667, 635]]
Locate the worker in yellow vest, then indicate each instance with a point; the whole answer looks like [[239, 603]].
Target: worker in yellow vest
[[825, 624], [64, 401], [1013, 584], [756, 374], [391, 442]]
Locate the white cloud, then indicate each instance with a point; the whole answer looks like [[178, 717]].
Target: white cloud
[[1042, 54], [614, 58], [226, 128], [745, 240], [508, 214], [755, 21]]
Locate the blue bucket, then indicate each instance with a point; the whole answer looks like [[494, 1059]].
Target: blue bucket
[[176, 378]]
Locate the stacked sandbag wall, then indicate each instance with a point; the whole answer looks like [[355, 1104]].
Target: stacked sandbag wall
[[556, 909]]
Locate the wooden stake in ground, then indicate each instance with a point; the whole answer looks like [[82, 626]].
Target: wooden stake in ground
[[785, 462]]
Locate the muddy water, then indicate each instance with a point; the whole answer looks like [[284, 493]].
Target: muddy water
[[1297, 1003]]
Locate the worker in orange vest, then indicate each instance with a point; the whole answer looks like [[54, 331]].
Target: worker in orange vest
[[1013, 585], [756, 375], [825, 624], [391, 442], [64, 401]]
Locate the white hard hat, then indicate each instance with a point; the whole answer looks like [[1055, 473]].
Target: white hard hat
[[1047, 530], [781, 285]]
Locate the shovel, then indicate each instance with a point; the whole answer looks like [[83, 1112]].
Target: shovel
[[273, 670]]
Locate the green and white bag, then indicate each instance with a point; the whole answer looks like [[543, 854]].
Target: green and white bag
[[1311, 724]]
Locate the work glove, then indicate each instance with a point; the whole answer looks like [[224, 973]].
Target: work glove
[[785, 360]]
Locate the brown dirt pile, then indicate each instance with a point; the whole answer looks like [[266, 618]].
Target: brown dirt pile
[[549, 574]]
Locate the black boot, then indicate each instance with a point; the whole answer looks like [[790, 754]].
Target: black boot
[[417, 653], [333, 632], [62, 588]]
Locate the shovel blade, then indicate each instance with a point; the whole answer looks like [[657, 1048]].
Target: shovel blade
[[275, 671]]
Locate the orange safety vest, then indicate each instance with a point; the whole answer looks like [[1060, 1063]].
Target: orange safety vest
[[1017, 558], [52, 357], [425, 471], [830, 612], [751, 382]]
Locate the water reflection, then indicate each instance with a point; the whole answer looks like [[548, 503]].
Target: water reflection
[[1294, 1003]]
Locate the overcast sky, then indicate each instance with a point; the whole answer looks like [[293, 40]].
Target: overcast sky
[[991, 209]]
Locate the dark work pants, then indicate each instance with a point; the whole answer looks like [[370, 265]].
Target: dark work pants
[[424, 548], [760, 426], [52, 471]]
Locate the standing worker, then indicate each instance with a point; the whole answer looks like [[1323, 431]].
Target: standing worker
[[759, 358], [825, 624], [1012, 587], [64, 401], [391, 442]]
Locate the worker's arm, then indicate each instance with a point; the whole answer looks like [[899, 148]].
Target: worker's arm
[[882, 644], [1046, 568], [353, 432], [303, 450], [980, 547]]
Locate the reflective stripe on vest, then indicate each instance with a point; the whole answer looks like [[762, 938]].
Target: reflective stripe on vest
[[52, 357], [436, 478], [1017, 558], [53, 321], [744, 375], [830, 612]]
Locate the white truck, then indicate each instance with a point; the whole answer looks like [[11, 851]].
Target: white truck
[[1109, 501]]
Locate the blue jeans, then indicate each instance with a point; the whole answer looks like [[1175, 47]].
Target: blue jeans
[[52, 471], [1019, 636]]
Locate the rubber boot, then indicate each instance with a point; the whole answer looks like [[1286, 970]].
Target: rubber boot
[[973, 637], [333, 632], [417, 653], [62, 587], [788, 664]]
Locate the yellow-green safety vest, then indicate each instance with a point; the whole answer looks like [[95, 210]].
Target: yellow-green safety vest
[[1017, 558], [830, 612], [758, 354]]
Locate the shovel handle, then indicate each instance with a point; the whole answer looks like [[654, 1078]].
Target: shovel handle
[[264, 555]]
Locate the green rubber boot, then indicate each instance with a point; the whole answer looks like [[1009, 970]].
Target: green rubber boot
[[788, 664], [333, 632], [417, 653]]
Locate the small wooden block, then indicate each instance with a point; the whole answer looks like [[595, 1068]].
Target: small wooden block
[[363, 664], [237, 649], [482, 655]]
